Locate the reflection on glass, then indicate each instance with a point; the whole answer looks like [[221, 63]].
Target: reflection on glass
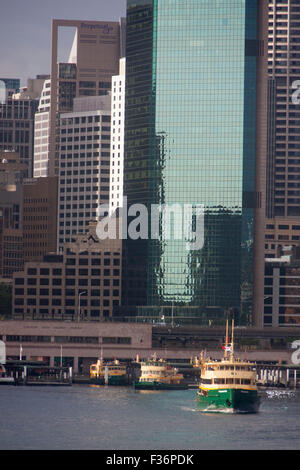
[[190, 139]]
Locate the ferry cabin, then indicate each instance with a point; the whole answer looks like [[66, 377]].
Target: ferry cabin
[[228, 374]]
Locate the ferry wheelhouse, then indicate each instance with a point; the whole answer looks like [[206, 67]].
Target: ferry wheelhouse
[[228, 385]]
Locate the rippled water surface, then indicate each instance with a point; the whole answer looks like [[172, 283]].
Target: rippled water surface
[[119, 418]]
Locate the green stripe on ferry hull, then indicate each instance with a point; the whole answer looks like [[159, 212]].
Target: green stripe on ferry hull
[[114, 380], [158, 386], [229, 401]]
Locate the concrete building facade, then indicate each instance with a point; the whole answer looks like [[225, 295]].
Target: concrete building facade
[[93, 60], [283, 156], [83, 283], [12, 173], [282, 290], [42, 133], [117, 138], [79, 343], [84, 165], [17, 128], [39, 217]]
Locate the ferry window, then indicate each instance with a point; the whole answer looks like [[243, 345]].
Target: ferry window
[[237, 381], [229, 381], [245, 381], [206, 381], [219, 381]]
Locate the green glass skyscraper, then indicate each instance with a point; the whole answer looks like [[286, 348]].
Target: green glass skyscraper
[[190, 139]]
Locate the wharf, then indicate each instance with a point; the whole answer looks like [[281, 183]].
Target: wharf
[[38, 373]]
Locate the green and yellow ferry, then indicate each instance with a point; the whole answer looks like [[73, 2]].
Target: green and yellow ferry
[[229, 385], [157, 374], [108, 373]]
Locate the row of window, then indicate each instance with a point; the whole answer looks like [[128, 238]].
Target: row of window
[[71, 282], [76, 130], [68, 339], [84, 119], [68, 302], [226, 381], [68, 292]]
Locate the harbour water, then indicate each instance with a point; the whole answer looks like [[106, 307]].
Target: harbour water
[[86, 417]]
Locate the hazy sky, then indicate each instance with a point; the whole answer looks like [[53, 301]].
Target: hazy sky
[[25, 31]]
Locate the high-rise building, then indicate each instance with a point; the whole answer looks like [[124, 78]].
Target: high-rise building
[[94, 58], [282, 289], [39, 217], [11, 201], [84, 165], [42, 133], [195, 134], [9, 86], [283, 157], [17, 127], [117, 138]]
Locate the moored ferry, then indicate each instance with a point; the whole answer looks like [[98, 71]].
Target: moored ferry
[[108, 373], [157, 374], [229, 385]]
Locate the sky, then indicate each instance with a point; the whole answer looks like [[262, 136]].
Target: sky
[[25, 31]]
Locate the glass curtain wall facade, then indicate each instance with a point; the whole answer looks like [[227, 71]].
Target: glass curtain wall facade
[[190, 139]]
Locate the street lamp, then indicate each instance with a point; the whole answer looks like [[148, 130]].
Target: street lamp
[[80, 293]]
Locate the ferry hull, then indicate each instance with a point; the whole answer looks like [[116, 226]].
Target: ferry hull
[[113, 380], [158, 386], [229, 401]]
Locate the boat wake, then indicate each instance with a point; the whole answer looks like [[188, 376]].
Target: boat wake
[[186, 408], [229, 411], [213, 409]]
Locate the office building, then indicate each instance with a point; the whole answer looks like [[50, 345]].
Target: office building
[[94, 58], [195, 134], [11, 200], [283, 156], [8, 87], [82, 284], [282, 289], [17, 128], [42, 133], [117, 138], [39, 217], [84, 165]]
